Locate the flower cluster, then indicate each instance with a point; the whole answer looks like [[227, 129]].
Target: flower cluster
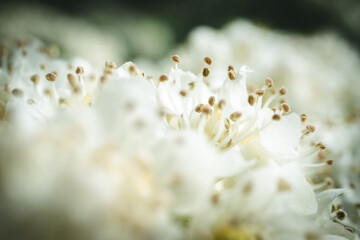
[[119, 154]]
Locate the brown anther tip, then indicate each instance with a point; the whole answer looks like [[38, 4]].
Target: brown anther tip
[[235, 116], [31, 101], [273, 109], [79, 70], [276, 117], [51, 77], [321, 146], [285, 107], [341, 215], [211, 101], [215, 198], [357, 205], [329, 182], [304, 117], [330, 162], [205, 72], [198, 107], [231, 75], [251, 99], [110, 64], [259, 92], [312, 236], [17, 92], [132, 69], [352, 185], [206, 109], [269, 82], [176, 58], [222, 103], [227, 123], [192, 85], [349, 229], [282, 91], [43, 66], [183, 93], [35, 78], [208, 60], [310, 128], [163, 78]]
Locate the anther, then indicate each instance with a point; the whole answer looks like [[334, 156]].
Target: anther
[[31, 101], [330, 162], [230, 68], [231, 75], [79, 70], [17, 92], [133, 69], [205, 72], [259, 92], [176, 58], [192, 85], [276, 117], [211, 101], [269, 82], [222, 103], [251, 99], [206, 109], [282, 91], [310, 128], [183, 93], [51, 77], [110, 65], [35, 78], [285, 107], [321, 146], [43, 66], [341, 215], [352, 185], [198, 107], [329, 182], [235, 116], [208, 60], [349, 229], [304, 117], [227, 123], [163, 78]]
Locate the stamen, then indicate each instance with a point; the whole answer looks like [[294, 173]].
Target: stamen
[[269, 82], [79, 70], [321, 146], [251, 99], [276, 117], [230, 68], [235, 116], [211, 101], [205, 72], [183, 93], [163, 78], [285, 107], [17, 92], [198, 108], [282, 91], [192, 85], [176, 58], [310, 128], [51, 77], [330, 162], [341, 215], [232, 75], [222, 104], [110, 65], [208, 60], [260, 92], [35, 78], [206, 109]]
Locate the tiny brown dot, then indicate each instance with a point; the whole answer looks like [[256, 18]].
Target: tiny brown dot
[[251, 99], [232, 75], [79, 70], [269, 82], [276, 117], [51, 77], [205, 72], [208, 60], [282, 91], [176, 58], [163, 78]]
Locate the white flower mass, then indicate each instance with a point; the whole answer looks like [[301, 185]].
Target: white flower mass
[[108, 152]]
